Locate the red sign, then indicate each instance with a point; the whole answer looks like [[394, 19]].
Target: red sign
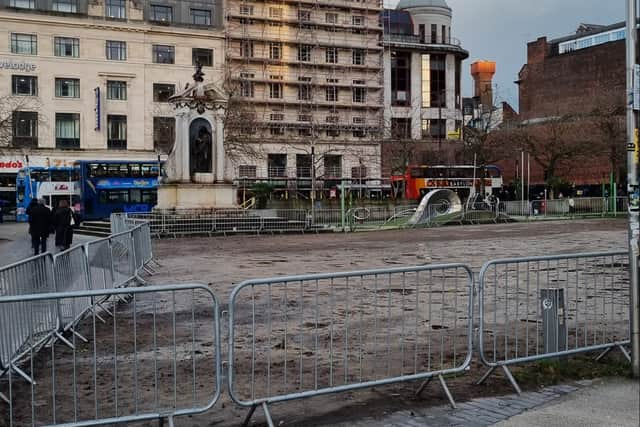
[[11, 164], [61, 187]]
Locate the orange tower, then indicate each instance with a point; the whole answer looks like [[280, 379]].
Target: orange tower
[[482, 73]]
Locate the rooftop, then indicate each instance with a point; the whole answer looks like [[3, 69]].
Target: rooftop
[[405, 4]]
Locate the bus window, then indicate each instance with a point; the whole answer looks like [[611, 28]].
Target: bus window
[[150, 196], [134, 170], [118, 196], [104, 197], [97, 170], [149, 170], [135, 196], [418, 173], [117, 170], [20, 192], [60, 175], [39, 175]]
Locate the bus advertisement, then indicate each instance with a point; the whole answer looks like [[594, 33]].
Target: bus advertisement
[[49, 183], [117, 186]]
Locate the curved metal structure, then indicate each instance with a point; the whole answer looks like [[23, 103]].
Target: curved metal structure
[[435, 204]]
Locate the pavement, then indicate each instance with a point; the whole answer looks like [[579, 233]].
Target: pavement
[[608, 402], [15, 242]]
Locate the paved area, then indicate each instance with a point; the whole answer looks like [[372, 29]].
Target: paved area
[[15, 242]]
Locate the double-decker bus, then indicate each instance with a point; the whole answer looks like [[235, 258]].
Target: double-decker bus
[[117, 186], [49, 183], [419, 180]]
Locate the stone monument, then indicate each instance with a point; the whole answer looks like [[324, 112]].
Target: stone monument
[[195, 171]]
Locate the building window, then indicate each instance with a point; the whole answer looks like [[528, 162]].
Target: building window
[[163, 54], [434, 128], [117, 90], [332, 55], [116, 50], [200, 17], [68, 6], [162, 92], [333, 133], [25, 129], [116, 132], [304, 92], [275, 90], [359, 94], [422, 33], [67, 130], [276, 130], [164, 134], [275, 12], [24, 44], [23, 4], [444, 34], [304, 52], [247, 171], [246, 10], [400, 128], [115, 9], [24, 85], [331, 18], [332, 166], [358, 56], [276, 117], [247, 89], [161, 13], [67, 88], [246, 49], [400, 79], [277, 164], [357, 20], [65, 46], [434, 33], [304, 15], [359, 172], [275, 50], [202, 56], [331, 93]]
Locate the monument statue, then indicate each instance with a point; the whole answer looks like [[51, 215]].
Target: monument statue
[[200, 147]]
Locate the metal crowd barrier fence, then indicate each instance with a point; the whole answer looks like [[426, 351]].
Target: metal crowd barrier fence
[[547, 307], [303, 336], [159, 358], [580, 206]]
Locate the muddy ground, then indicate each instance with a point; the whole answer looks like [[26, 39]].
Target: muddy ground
[[314, 334]]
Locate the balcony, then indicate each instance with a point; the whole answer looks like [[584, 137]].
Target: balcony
[[277, 172], [412, 41]]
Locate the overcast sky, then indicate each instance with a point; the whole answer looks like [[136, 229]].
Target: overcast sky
[[498, 30]]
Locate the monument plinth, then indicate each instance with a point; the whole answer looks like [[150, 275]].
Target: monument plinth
[[195, 171]]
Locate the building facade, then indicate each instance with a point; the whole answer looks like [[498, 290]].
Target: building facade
[[84, 79]]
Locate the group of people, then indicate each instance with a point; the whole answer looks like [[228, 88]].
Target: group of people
[[43, 222]]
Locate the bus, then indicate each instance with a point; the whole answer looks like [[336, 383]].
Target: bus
[[109, 186], [49, 183], [420, 180]]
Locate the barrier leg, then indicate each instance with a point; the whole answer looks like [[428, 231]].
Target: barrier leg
[[603, 354], [486, 375], [245, 423], [424, 385], [5, 399], [22, 373], [512, 380], [79, 335], [64, 340], [447, 392], [267, 414], [625, 352]]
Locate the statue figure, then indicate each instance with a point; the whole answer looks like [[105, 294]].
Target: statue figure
[[200, 153], [198, 75]]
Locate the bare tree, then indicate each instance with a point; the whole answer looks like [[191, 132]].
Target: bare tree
[[9, 105], [608, 120]]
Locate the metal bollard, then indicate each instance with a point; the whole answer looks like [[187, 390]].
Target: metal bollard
[[554, 320]]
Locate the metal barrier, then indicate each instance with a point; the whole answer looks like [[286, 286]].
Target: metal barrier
[[303, 336], [546, 307], [159, 358]]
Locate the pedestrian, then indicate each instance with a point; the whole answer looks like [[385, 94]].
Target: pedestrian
[[572, 206], [40, 224], [63, 224]]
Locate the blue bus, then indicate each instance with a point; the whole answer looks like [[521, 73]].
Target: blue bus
[[49, 183], [109, 186]]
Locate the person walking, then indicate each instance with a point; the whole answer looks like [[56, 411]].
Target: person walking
[[62, 222], [40, 224]]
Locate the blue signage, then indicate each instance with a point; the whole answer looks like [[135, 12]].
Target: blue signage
[[97, 109]]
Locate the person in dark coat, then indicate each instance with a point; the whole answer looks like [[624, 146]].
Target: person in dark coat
[[62, 224], [40, 224]]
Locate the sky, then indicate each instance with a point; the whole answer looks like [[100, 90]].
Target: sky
[[499, 30]]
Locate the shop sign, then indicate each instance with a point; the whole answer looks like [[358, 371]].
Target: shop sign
[[10, 165], [10, 64]]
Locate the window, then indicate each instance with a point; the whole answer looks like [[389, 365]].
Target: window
[[247, 171], [303, 165], [304, 15], [200, 17], [116, 132], [277, 165], [161, 13], [115, 9], [247, 89], [246, 10], [276, 130], [246, 49], [357, 20], [202, 56], [65, 46], [359, 94], [444, 34], [163, 54], [304, 117], [162, 92], [332, 55], [23, 4], [275, 50], [67, 88], [359, 172], [164, 133], [276, 117], [331, 18], [275, 90], [304, 52], [275, 12], [117, 90], [400, 128], [434, 33], [304, 92], [331, 94], [68, 6], [24, 44], [333, 133], [332, 165], [358, 56], [67, 130], [116, 50], [422, 32], [24, 85], [25, 129], [434, 128]]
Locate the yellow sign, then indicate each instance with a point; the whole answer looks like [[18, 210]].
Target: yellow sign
[[453, 134], [636, 151]]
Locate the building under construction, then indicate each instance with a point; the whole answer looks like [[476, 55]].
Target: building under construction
[[306, 80]]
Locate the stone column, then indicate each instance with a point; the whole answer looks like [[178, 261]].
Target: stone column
[[183, 136], [219, 145]]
